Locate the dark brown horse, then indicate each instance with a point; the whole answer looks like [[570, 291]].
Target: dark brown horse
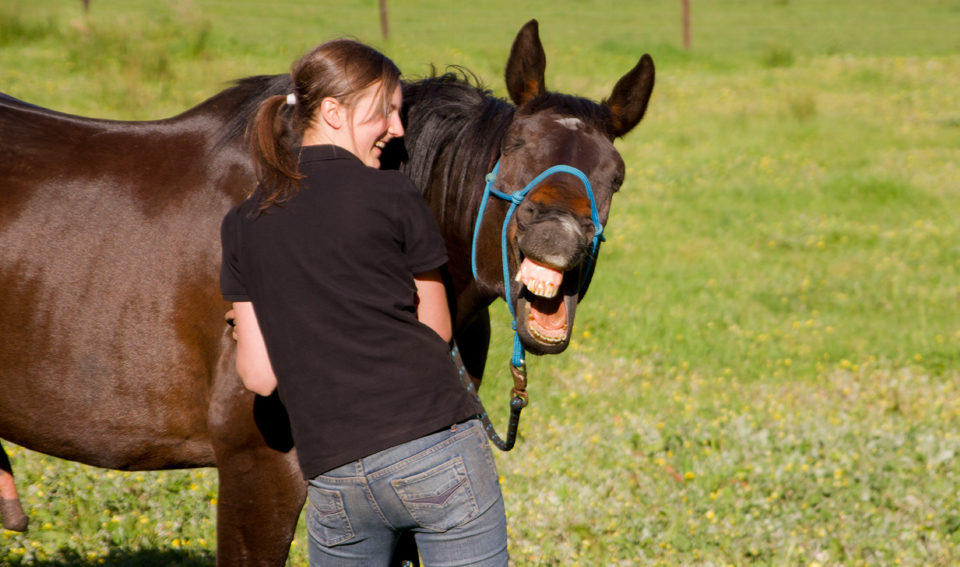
[[113, 350]]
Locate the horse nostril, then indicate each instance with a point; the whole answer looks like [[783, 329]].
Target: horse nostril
[[587, 228], [526, 213]]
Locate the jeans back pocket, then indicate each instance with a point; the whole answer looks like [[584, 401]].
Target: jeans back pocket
[[440, 498], [327, 519]]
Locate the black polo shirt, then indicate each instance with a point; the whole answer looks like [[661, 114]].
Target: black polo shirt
[[330, 274]]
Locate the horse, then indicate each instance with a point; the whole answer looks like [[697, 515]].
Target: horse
[[109, 256]]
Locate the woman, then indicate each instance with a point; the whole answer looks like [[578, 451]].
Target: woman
[[333, 268]]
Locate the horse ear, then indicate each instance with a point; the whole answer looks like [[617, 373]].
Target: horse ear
[[526, 65], [630, 96]]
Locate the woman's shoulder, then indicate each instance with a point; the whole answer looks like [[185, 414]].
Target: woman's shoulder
[[397, 178], [248, 204], [389, 182], [243, 212]]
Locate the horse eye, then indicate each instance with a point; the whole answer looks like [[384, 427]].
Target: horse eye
[[512, 144], [617, 182]]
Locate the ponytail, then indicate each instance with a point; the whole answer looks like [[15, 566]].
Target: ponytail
[[272, 141]]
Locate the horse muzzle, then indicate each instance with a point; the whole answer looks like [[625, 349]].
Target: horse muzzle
[[545, 310], [547, 286]]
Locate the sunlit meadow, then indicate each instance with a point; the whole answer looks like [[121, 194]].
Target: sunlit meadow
[[764, 371]]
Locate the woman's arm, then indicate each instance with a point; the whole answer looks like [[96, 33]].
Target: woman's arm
[[253, 364], [432, 308]]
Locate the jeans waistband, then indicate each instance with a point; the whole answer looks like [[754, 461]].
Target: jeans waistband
[[375, 463]]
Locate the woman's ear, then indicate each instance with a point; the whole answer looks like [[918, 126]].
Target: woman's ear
[[332, 112]]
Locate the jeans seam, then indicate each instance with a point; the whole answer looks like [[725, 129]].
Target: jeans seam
[[456, 438], [372, 498]]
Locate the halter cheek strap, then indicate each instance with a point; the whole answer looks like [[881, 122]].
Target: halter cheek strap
[[515, 199]]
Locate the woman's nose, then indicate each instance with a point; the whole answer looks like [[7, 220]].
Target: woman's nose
[[396, 127]]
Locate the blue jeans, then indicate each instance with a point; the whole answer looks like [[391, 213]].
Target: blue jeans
[[443, 487]]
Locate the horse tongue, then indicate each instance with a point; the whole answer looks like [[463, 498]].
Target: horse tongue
[[549, 314], [539, 279]]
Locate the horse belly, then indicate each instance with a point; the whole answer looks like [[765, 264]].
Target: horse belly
[[110, 326]]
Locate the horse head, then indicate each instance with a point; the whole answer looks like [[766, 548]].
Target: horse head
[[552, 228]]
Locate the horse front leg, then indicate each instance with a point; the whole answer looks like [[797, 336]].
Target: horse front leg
[[11, 512], [260, 498], [261, 489]]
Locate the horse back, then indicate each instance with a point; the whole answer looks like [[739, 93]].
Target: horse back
[[109, 253]]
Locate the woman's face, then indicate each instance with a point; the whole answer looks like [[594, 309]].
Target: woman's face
[[370, 129]]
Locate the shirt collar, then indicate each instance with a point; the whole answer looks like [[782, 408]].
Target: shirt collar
[[326, 152]]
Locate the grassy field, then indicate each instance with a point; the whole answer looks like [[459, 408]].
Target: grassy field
[[765, 370]]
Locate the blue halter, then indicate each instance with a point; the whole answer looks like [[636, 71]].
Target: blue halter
[[515, 199]]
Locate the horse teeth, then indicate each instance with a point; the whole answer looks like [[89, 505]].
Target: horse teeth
[[541, 288], [540, 279], [544, 338]]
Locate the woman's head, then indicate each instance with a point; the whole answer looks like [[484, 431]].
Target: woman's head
[[346, 93], [344, 70]]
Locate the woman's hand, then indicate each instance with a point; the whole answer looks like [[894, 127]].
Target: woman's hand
[[231, 318]]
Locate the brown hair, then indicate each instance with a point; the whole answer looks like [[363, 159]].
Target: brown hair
[[342, 69]]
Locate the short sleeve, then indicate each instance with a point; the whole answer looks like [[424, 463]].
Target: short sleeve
[[423, 243], [232, 287]]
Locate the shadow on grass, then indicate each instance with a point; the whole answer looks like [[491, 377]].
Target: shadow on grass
[[129, 558]]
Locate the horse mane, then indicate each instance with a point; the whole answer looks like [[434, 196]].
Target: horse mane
[[453, 131], [240, 103]]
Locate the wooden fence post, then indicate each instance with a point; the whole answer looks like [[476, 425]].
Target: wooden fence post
[[384, 25]]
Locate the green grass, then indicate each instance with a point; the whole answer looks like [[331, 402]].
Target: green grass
[[764, 371]]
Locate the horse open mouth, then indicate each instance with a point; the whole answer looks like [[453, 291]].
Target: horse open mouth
[[545, 307]]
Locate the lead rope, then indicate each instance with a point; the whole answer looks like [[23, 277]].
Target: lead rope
[[518, 401]]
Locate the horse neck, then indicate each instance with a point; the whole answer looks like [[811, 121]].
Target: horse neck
[[453, 137]]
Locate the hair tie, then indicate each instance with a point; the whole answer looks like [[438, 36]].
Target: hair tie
[[291, 99]]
